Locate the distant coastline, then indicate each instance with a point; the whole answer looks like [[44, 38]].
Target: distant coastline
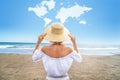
[[85, 49]]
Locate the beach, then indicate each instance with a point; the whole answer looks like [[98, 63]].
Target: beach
[[93, 67]]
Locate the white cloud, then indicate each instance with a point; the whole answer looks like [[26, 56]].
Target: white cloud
[[41, 9], [50, 4], [63, 14], [74, 12], [82, 22], [47, 21]]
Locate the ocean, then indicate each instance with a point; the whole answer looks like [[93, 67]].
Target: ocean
[[84, 49]]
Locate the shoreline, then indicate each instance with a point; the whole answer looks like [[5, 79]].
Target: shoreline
[[93, 67], [80, 54]]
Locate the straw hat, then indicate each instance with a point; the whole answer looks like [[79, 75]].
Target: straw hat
[[56, 33]]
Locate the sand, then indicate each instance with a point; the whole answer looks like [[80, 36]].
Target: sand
[[21, 67]]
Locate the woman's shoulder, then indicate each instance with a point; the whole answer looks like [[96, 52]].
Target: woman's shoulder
[[56, 53], [68, 49], [44, 48]]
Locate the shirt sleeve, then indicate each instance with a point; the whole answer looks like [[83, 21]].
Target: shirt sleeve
[[76, 56], [37, 55]]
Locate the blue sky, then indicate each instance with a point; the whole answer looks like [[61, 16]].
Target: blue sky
[[18, 24]]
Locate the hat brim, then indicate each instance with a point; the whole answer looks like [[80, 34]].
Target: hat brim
[[55, 37]]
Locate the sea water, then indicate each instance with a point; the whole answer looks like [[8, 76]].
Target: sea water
[[17, 48], [84, 49]]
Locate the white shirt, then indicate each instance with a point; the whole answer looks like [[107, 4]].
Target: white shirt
[[56, 66]]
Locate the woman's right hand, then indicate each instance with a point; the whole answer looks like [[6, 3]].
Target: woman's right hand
[[73, 41]]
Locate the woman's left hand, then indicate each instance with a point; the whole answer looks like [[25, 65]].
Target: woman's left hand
[[41, 36]]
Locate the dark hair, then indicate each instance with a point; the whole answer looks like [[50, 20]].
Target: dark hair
[[56, 42]]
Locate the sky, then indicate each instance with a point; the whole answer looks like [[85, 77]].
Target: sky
[[90, 21]]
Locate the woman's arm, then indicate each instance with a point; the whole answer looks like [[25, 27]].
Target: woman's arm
[[40, 39], [74, 42]]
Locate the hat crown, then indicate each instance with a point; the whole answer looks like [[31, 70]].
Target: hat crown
[[56, 33], [57, 29]]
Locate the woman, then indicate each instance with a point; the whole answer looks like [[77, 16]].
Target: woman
[[57, 58]]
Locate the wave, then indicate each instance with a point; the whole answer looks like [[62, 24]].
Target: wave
[[7, 46], [25, 48], [109, 48], [80, 48], [14, 47]]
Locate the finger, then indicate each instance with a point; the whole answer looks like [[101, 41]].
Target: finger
[[69, 35], [44, 34]]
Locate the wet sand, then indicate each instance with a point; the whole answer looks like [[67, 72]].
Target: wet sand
[[21, 67]]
